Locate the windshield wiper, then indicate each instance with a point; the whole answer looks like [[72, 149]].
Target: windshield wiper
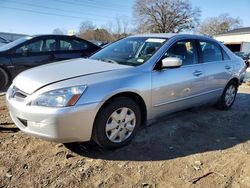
[[108, 60]]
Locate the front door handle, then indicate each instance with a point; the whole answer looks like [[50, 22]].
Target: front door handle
[[197, 73], [228, 67]]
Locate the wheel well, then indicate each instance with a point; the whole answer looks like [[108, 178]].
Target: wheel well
[[136, 98], [236, 80], [8, 73]]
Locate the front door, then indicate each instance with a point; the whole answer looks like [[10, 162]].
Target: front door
[[35, 53], [178, 88]]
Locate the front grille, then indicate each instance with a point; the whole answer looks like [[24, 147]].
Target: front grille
[[20, 95], [17, 94]]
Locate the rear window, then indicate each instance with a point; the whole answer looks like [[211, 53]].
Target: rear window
[[225, 56]]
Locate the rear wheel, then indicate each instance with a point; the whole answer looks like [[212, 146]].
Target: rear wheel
[[4, 79], [228, 96], [247, 64], [117, 123]]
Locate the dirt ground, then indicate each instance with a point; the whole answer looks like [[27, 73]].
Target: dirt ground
[[201, 147]]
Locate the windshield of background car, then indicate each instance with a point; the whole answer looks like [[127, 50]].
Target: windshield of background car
[[2, 40], [130, 51], [14, 43]]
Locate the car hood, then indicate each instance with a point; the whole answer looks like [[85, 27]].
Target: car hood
[[33, 79], [1, 44]]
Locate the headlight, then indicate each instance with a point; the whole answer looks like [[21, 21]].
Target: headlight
[[60, 97]]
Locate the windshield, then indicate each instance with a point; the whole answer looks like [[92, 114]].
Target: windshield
[[14, 43], [130, 51]]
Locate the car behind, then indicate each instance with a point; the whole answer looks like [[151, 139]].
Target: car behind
[[244, 56], [32, 51]]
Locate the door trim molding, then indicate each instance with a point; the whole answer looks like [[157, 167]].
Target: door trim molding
[[189, 97]]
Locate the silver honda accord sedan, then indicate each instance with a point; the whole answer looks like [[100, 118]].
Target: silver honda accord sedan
[[129, 83]]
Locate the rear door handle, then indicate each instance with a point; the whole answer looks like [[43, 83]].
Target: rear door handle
[[228, 67], [197, 73], [51, 56]]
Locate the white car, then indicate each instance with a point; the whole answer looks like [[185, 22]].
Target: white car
[[108, 96]]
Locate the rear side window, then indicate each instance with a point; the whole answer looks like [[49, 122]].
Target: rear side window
[[211, 52], [49, 45], [225, 56], [68, 45]]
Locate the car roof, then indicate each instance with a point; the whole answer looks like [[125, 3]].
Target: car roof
[[54, 35], [160, 35], [51, 35], [170, 35]]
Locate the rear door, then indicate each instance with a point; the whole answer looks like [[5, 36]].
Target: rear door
[[178, 88], [71, 47], [33, 53], [218, 67]]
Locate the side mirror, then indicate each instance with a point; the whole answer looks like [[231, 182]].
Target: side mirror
[[171, 62]]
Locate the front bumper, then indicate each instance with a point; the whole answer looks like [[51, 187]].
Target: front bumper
[[69, 124]]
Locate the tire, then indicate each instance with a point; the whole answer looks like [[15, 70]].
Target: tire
[[228, 96], [117, 123], [4, 79], [247, 64]]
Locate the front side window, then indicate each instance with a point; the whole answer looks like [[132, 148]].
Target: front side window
[[15, 43], [132, 51], [185, 50], [211, 52], [45, 45], [31, 47]]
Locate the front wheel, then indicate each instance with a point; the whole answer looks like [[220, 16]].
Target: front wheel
[[228, 97], [117, 123]]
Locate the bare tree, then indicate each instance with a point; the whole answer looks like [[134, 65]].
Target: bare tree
[[86, 25], [109, 26], [125, 24], [216, 25], [163, 16], [97, 34], [121, 25], [107, 33], [103, 35], [59, 31], [118, 25]]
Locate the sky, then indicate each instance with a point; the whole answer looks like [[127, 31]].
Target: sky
[[43, 16]]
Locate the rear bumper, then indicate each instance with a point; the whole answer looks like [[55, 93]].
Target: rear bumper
[[70, 124]]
